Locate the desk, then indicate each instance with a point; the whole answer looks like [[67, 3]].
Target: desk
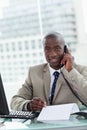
[[75, 125], [69, 125]]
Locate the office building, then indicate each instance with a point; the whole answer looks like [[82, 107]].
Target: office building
[[22, 27]]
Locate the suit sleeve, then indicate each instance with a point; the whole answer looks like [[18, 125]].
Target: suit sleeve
[[23, 96], [77, 78]]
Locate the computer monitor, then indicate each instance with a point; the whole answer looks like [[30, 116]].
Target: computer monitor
[[4, 110]]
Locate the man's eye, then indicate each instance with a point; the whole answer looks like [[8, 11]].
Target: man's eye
[[57, 49], [47, 49]]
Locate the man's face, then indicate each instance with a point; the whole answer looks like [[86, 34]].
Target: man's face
[[54, 50]]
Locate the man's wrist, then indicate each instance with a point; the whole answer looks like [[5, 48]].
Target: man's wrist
[[29, 106], [26, 106]]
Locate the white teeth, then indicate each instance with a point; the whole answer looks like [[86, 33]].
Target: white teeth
[[53, 60]]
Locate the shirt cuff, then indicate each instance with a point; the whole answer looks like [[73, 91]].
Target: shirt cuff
[[25, 106]]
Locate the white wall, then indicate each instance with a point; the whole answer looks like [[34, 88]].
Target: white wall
[[10, 90], [81, 54]]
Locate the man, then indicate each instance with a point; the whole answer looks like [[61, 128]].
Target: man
[[36, 91]]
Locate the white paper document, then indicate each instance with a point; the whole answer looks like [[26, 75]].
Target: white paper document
[[50, 114]]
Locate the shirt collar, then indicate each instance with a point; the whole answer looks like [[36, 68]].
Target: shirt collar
[[52, 70]]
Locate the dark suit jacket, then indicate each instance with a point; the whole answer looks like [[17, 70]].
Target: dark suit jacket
[[37, 84]]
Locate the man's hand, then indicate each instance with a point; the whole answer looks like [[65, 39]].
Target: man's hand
[[68, 60], [36, 104]]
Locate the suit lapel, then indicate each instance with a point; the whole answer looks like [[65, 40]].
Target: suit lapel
[[46, 81]]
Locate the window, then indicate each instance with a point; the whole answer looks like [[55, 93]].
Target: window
[[23, 24]]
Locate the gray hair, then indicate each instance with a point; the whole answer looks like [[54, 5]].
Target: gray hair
[[54, 35]]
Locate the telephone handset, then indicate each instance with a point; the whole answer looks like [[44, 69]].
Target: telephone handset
[[65, 50]]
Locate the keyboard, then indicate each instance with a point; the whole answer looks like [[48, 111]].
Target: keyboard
[[21, 115]]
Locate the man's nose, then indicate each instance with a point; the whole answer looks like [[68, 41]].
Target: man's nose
[[53, 53]]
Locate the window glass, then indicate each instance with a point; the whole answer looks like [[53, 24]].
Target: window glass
[[23, 23]]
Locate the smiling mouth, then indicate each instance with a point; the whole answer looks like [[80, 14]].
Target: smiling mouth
[[53, 60]]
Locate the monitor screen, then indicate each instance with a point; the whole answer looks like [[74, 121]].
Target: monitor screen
[[4, 110]]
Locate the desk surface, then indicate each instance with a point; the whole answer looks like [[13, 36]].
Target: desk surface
[[76, 125], [69, 125]]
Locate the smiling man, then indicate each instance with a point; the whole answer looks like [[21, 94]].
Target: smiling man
[[37, 89]]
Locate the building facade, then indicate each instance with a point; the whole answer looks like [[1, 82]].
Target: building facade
[[22, 27]]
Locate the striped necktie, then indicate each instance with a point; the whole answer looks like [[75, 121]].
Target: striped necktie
[[56, 75]]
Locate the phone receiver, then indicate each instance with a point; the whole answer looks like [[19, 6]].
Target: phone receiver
[[65, 50]]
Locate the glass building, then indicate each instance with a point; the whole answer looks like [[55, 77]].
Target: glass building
[[22, 27]]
